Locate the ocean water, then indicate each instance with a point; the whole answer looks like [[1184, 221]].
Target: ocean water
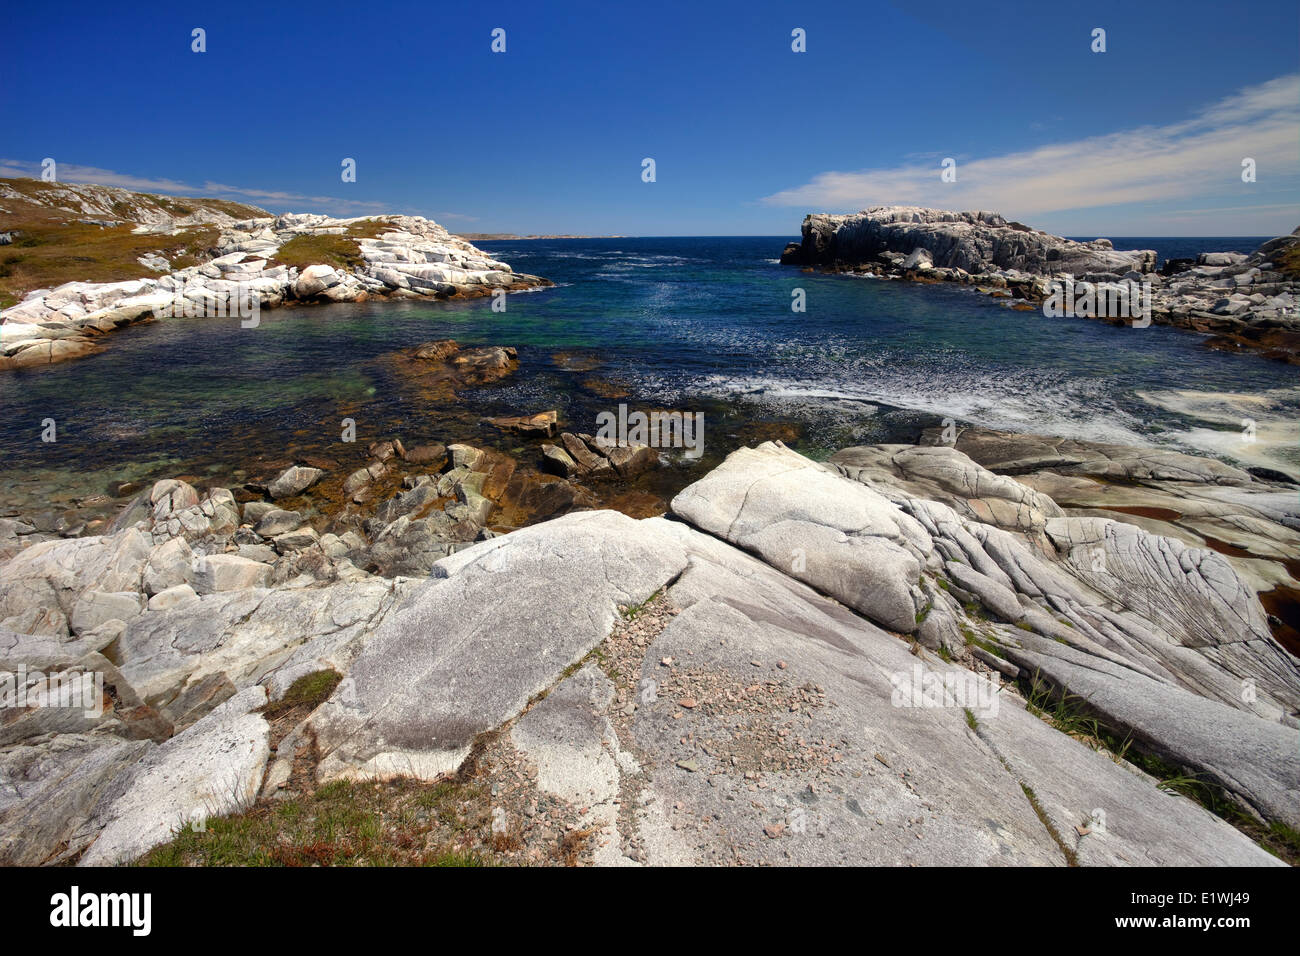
[[691, 323]]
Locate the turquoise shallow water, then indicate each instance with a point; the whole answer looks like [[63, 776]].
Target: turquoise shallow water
[[696, 323]]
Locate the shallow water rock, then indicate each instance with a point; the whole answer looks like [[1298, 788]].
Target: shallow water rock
[[432, 456], [293, 481], [543, 423], [590, 458], [557, 461]]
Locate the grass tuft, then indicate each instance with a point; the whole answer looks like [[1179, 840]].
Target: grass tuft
[[306, 693], [345, 823], [337, 251]]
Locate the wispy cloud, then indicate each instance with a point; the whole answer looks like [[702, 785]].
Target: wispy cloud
[[90, 174], [72, 173], [1200, 156]]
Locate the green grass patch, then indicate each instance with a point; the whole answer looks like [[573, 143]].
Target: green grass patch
[[48, 254], [345, 823], [976, 640], [1066, 712], [369, 228], [340, 252], [1071, 858], [306, 693]]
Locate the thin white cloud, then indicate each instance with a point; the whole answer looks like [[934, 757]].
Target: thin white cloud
[[328, 203], [1200, 156]]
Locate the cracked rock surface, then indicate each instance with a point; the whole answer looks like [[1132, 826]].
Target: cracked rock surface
[[803, 662]]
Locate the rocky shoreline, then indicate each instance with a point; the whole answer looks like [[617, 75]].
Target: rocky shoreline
[[1242, 301], [977, 648], [731, 681], [397, 257]]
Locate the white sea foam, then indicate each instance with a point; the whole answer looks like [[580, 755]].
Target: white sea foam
[[1008, 401], [1272, 418]]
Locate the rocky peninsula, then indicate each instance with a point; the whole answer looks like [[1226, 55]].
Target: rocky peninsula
[[1248, 301], [238, 267]]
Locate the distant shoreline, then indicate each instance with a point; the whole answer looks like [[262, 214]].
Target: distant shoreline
[[490, 236]]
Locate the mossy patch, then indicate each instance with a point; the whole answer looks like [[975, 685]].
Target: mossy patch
[[340, 252], [1288, 261], [369, 228], [306, 693]]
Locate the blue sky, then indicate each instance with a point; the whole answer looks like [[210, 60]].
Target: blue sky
[[747, 135]]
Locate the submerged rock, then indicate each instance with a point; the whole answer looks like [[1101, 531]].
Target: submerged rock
[[543, 423]]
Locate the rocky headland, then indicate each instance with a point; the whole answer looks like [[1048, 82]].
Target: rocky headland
[[233, 266], [1007, 650], [1249, 301]]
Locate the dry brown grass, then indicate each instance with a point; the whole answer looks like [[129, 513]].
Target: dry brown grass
[[369, 228], [49, 251], [52, 246]]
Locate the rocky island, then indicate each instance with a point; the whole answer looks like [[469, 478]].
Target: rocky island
[[1243, 301]]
